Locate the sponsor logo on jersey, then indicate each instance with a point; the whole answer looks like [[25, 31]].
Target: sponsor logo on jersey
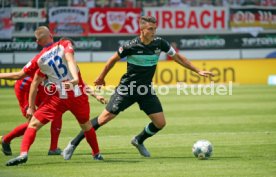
[[50, 55], [121, 49], [156, 51]]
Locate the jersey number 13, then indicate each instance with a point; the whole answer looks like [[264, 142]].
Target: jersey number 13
[[59, 68]]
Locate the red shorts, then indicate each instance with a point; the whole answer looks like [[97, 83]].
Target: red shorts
[[23, 97], [53, 107]]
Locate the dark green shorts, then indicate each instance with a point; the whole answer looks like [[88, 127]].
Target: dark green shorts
[[149, 103]]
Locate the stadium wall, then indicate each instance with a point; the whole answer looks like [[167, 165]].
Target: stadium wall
[[84, 56], [250, 71], [169, 73]]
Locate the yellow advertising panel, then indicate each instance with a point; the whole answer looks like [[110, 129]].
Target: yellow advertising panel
[[8, 83], [90, 71], [169, 72]]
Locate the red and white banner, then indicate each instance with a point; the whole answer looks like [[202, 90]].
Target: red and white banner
[[69, 29], [70, 21], [28, 14], [68, 15], [6, 26], [114, 20], [253, 16], [192, 19]]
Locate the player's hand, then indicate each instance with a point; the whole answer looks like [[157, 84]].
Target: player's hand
[[70, 84], [205, 73], [74, 82], [30, 112], [99, 82], [101, 99], [67, 85]]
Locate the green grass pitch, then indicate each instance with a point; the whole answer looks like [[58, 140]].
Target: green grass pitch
[[241, 127]]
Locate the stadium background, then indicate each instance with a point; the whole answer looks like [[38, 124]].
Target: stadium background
[[238, 35], [236, 39]]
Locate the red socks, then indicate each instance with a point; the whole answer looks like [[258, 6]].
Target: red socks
[[91, 138], [16, 132], [55, 132], [28, 139], [20, 130]]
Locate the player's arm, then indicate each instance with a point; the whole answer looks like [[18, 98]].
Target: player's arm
[[13, 76], [109, 65], [32, 95], [183, 61], [180, 59], [28, 69], [99, 98], [72, 65]]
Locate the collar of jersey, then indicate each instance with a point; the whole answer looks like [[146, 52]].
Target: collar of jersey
[[47, 45], [139, 40]]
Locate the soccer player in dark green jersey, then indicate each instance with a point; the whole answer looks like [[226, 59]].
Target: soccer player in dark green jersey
[[135, 86]]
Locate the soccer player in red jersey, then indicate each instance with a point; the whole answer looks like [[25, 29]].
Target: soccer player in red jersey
[[56, 62], [22, 88]]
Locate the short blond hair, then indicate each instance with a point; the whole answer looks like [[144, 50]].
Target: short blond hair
[[146, 19], [42, 32]]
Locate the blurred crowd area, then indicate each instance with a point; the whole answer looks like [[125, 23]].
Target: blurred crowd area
[[132, 3], [28, 27]]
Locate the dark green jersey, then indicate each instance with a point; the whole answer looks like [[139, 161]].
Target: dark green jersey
[[141, 60]]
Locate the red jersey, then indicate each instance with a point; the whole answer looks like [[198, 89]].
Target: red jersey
[[24, 84], [51, 62], [22, 89]]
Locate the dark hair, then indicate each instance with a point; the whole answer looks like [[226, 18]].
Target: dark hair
[[150, 19], [146, 19]]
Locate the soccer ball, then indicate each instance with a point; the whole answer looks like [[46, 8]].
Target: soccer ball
[[202, 149]]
